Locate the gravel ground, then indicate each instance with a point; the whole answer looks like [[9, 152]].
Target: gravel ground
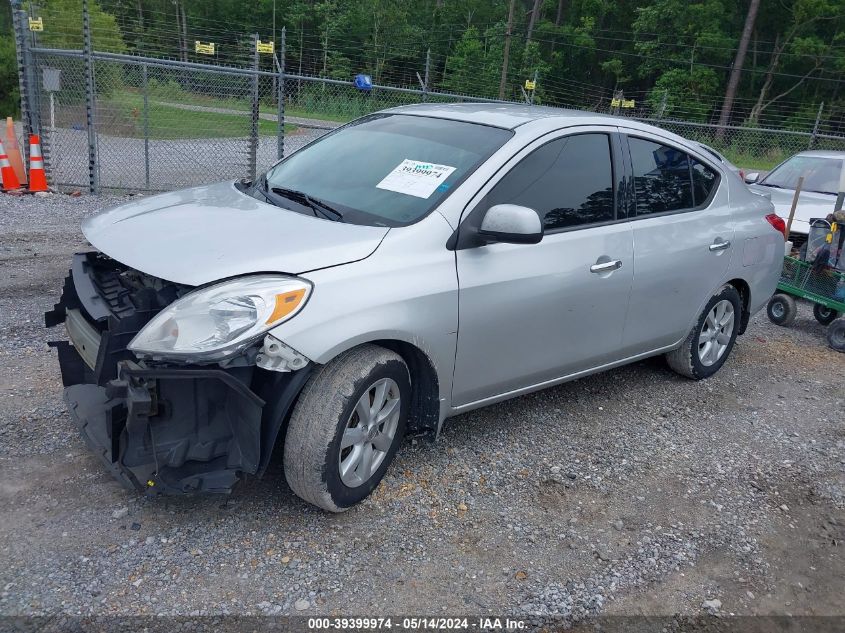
[[631, 492]]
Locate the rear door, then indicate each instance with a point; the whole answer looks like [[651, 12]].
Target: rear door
[[530, 313], [683, 231]]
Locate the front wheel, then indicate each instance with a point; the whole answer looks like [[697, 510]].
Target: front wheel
[[836, 335], [346, 427], [824, 315], [712, 338]]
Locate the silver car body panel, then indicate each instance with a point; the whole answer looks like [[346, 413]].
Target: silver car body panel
[[518, 317], [811, 205], [532, 312], [406, 291], [205, 234], [676, 271]]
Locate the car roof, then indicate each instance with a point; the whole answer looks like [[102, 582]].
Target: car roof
[[504, 115], [512, 115], [823, 153]]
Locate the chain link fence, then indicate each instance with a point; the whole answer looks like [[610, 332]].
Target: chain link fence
[[161, 124]]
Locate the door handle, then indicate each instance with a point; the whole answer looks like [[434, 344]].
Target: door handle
[[606, 267], [720, 246]]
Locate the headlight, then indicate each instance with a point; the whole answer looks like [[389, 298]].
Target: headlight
[[220, 321]]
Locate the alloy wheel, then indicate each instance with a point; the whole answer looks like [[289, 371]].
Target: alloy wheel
[[716, 333], [369, 432]]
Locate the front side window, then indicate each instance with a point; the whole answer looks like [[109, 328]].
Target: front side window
[[385, 170], [668, 179], [568, 181], [820, 174]]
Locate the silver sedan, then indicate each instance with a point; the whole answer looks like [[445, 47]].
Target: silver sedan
[[410, 266]]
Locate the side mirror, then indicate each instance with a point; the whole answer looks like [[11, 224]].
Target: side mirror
[[751, 178], [511, 224]]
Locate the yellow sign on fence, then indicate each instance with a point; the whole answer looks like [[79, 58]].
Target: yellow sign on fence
[[204, 49], [623, 103], [36, 24], [264, 47], [530, 85]]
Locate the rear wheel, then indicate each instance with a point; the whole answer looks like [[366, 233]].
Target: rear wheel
[[836, 335], [712, 338], [346, 427], [782, 309], [824, 315]]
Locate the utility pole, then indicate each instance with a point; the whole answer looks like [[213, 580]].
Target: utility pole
[[507, 52]]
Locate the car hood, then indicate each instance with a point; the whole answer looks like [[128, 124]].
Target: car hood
[[204, 234], [810, 205]]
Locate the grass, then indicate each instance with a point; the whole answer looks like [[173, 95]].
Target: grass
[[122, 113], [748, 161], [172, 93]]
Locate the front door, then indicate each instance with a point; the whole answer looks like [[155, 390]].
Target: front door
[[533, 313]]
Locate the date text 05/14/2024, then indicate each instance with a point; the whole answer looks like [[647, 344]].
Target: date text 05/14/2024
[[416, 624]]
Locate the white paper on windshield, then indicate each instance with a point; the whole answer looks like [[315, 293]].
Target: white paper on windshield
[[416, 178]]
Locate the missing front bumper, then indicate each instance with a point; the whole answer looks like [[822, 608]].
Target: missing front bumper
[[160, 429], [171, 431]]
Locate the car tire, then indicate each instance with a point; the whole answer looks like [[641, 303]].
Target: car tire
[[836, 335], [339, 443], [824, 315], [782, 309], [711, 339]]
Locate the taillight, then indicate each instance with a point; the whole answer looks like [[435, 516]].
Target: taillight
[[777, 224]]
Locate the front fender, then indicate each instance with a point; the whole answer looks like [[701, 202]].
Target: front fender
[[406, 291]]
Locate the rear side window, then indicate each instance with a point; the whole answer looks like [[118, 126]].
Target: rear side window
[[704, 181], [668, 179], [568, 181]]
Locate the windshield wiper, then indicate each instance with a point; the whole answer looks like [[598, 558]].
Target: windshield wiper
[[312, 203], [830, 193], [770, 184]]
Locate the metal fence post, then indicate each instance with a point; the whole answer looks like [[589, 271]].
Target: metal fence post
[[426, 75], [280, 136], [816, 126], [663, 101], [144, 80], [253, 130], [90, 102]]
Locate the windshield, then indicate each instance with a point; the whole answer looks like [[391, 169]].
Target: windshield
[[386, 170], [820, 174]]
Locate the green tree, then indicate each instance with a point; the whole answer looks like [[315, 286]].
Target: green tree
[[63, 26]]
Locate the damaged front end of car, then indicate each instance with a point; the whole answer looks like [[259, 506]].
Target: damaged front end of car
[[165, 421]]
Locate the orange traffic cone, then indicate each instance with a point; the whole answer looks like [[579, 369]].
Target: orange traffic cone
[[10, 179], [37, 176], [13, 151]]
